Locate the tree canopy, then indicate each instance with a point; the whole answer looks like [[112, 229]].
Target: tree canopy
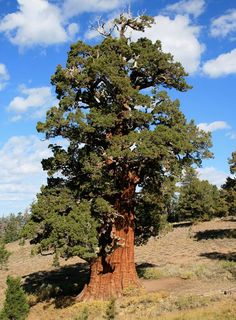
[[125, 139]]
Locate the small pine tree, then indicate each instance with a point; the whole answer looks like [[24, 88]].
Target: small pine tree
[[15, 306], [4, 256]]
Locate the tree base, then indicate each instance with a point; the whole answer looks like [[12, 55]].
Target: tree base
[[90, 293], [104, 286]]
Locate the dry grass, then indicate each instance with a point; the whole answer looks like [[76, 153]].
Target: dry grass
[[188, 273]]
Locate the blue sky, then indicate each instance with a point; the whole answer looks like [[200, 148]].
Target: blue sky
[[36, 35]]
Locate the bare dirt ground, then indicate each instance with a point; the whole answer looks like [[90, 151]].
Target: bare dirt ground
[[190, 261], [194, 253]]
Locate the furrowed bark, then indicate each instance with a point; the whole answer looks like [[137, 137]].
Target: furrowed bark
[[113, 273]]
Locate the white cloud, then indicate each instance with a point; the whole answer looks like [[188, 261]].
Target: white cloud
[[224, 25], [39, 22], [223, 65], [72, 30], [32, 101], [20, 168], [191, 7], [36, 22], [72, 8], [213, 175], [213, 126], [178, 37], [4, 76]]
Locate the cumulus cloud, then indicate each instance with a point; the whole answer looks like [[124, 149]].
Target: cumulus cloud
[[213, 175], [223, 65], [179, 37], [4, 76], [190, 7], [35, 22], [40, 22], [74, 7], [213, 126], [20, 169], [224, 25], [32, 101]]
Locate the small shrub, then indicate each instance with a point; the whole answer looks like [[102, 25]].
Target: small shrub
[[187, 275], [111, 310], [191, 302], [22, 242], [151, 273], [15, 306], [230, 266], [84, 315]]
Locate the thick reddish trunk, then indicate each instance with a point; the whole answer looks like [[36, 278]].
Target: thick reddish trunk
[[111, 275]]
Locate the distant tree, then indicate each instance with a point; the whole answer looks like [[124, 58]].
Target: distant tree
[[123, 132], [11, 226], [15, 306], [11, 232], [197, 199], [228, 192], [232, 163], [4, 255], [158, 200]]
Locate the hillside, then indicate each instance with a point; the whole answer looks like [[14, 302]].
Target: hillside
[[190, 268]]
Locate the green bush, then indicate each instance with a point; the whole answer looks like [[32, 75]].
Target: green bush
[[151, 273], [15, 306]]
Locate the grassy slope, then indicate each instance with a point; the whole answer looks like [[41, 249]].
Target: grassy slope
[[190, 273]]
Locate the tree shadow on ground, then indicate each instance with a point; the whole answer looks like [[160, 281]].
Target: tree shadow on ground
[[59, 286], [182, 224], [233, 219], [231, 256], [215, 234]]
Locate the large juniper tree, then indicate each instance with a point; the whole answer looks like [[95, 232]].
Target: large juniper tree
[[123, 132]]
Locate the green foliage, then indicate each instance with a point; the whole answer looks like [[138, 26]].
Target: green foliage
[[11, 226], [62, 224], [15, 306], [4, 256], [56, 262], [123, 131], [232, 162], [228, 192], [197, 199]]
